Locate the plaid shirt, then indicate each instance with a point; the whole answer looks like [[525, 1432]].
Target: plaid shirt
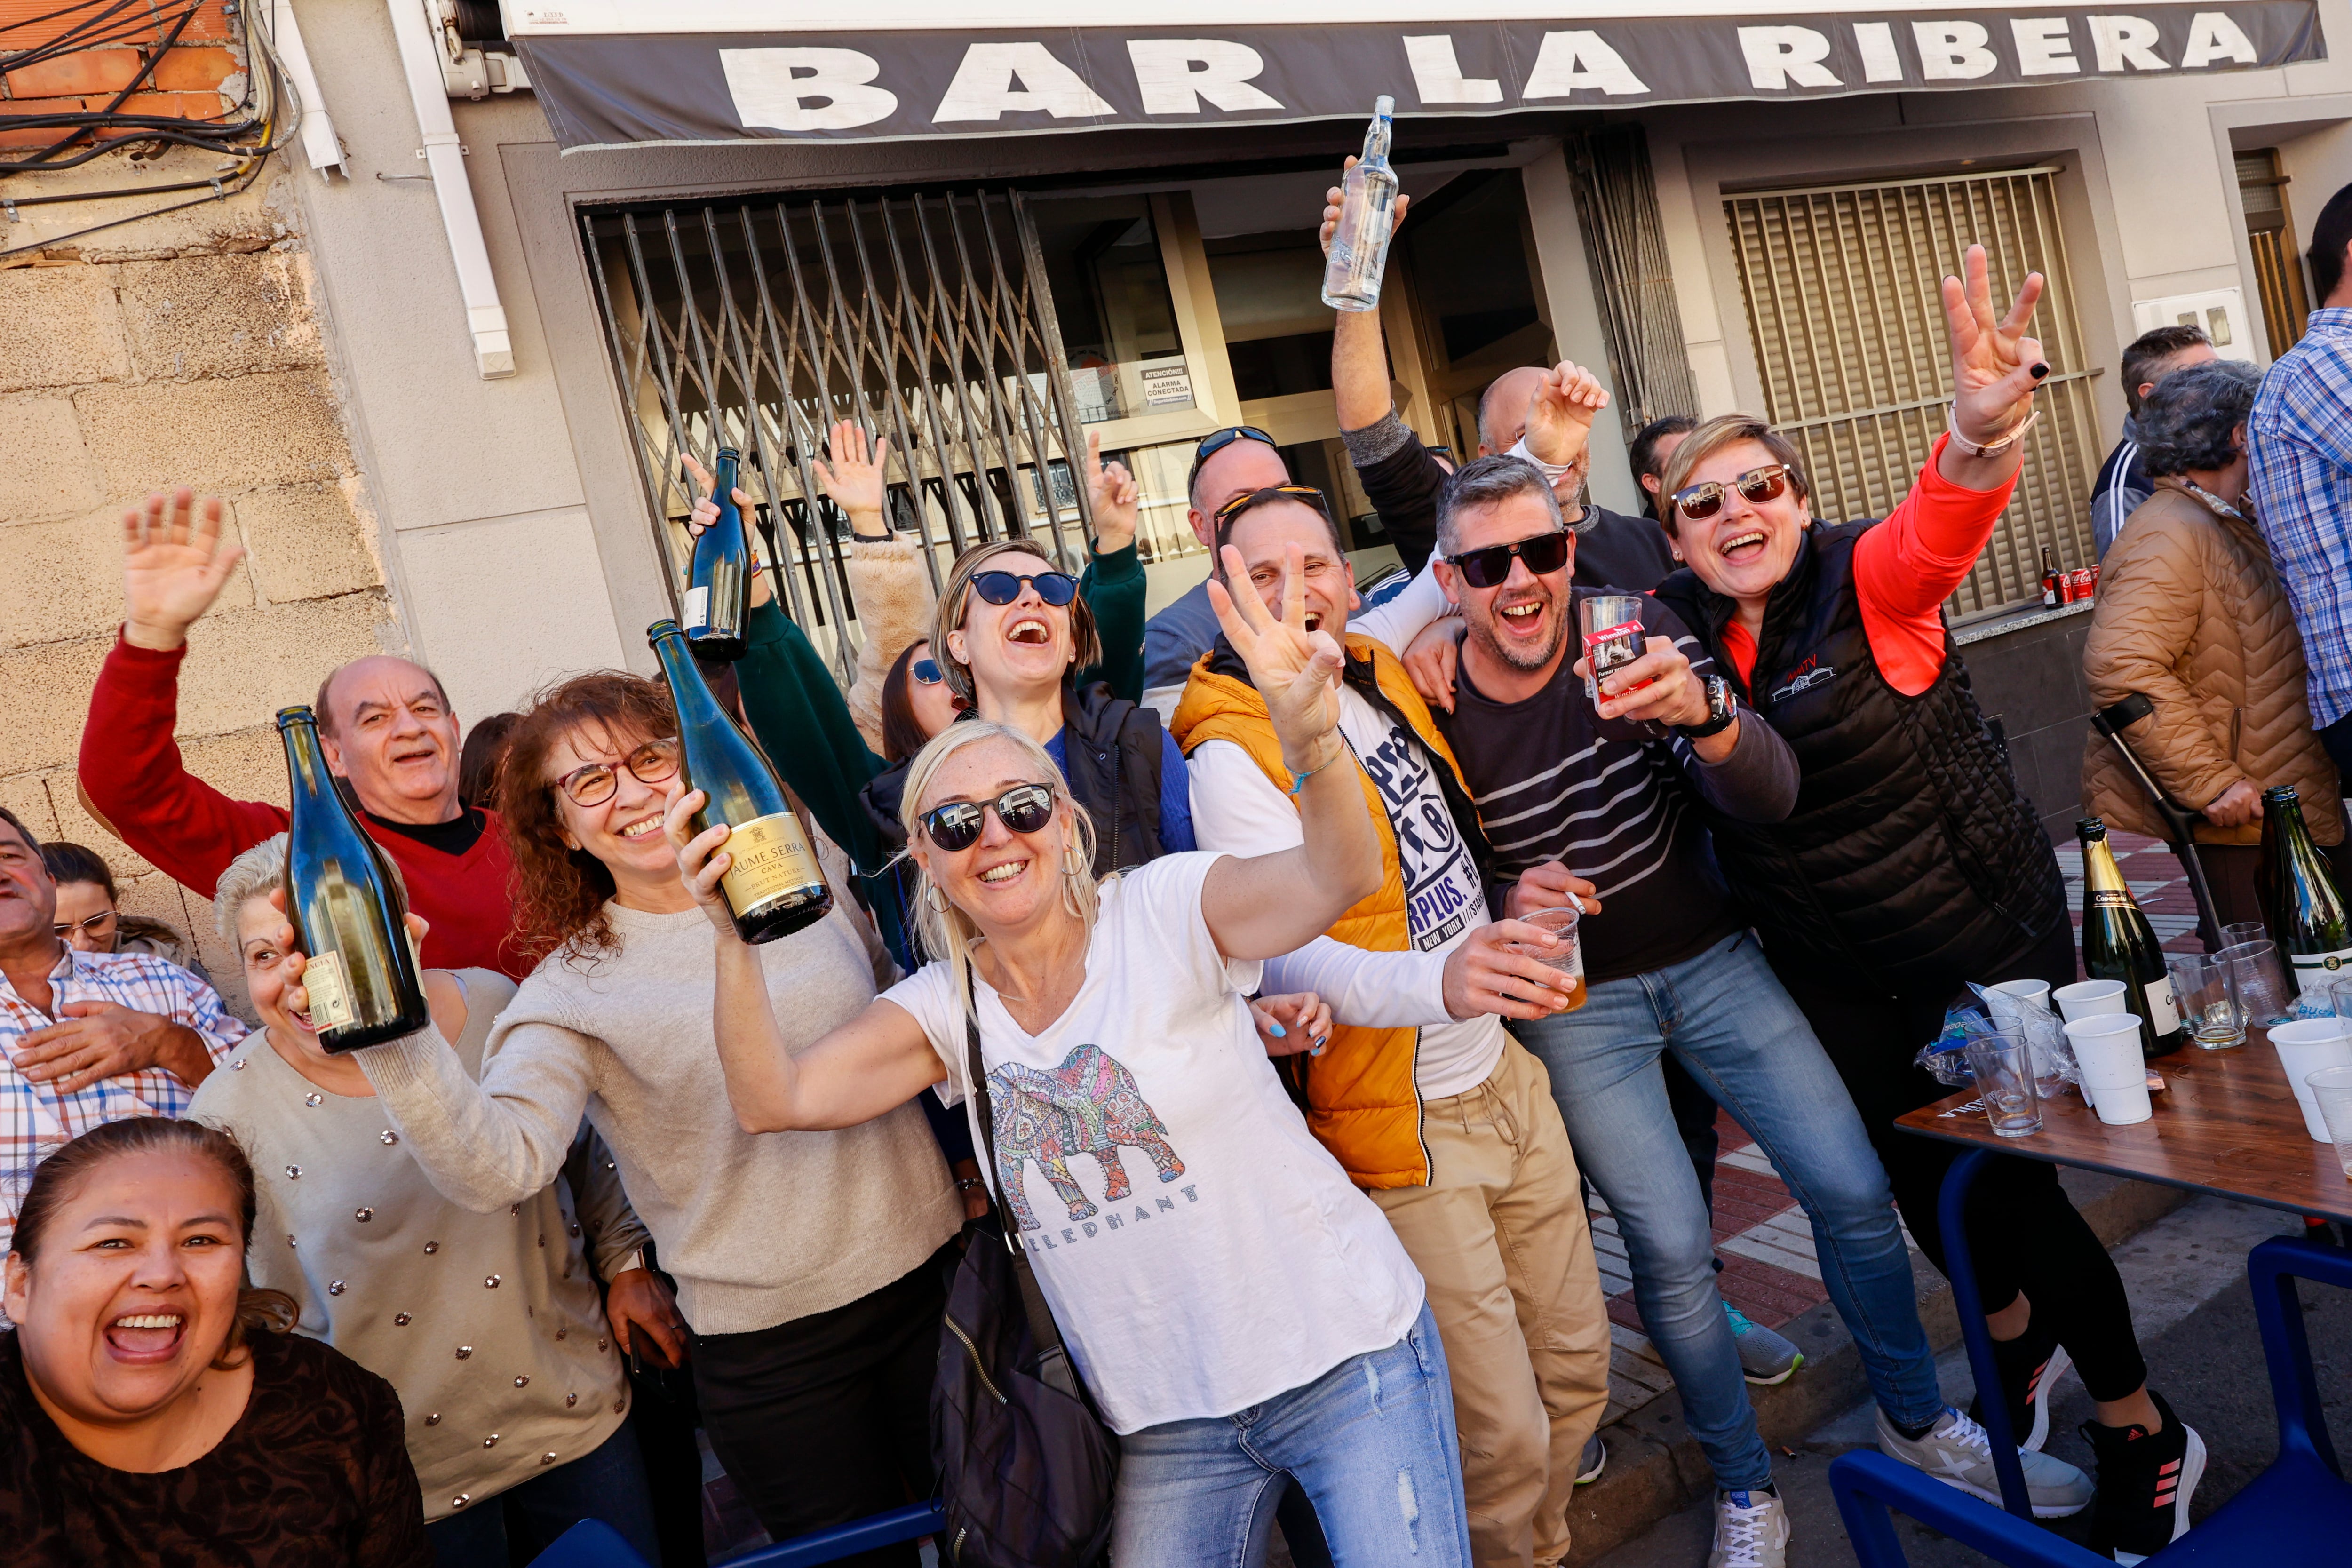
[[36, 1120], [2300, 437]]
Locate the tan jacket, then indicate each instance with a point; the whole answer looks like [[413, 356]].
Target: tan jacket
[[2191, 614]]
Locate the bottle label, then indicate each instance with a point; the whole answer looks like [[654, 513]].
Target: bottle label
[[2316, 972], [698, 607], [2163, 1012], [771, 858], [2110, 899], [331, 1000]]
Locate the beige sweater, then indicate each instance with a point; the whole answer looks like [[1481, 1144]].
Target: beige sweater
[[498, 1383], [892, 590], [757, 1228]]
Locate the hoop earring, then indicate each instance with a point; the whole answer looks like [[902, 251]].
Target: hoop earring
[[1071, 864], [935, 901]]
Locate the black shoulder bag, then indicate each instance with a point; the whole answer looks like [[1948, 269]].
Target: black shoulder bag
[[1026, 1466]]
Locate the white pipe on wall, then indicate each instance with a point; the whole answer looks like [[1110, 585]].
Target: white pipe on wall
[[420, 60], [319, 142]]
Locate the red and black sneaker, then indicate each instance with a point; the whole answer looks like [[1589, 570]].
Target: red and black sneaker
[[2145, 1484], [2031, 1366]]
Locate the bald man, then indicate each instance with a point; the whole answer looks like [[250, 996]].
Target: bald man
[[385, 724]]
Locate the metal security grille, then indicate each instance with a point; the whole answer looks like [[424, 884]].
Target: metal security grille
[[1842, 287], [925, 318]]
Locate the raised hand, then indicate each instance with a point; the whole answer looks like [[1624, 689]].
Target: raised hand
[[174, 565], [1116, 498], [1331, 202], [1560, 414], [1995, 366], [854, 480], [705, 512], [1296, 670]]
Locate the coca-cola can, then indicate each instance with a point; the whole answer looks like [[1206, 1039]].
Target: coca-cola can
[[2081, 581]]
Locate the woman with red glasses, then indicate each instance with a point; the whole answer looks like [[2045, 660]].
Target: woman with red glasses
[[1913, 863]]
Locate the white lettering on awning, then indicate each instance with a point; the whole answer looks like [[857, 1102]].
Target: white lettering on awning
[[2124, 42], [996, 79], [1437, 73], [1175, 74], [1875, 41], [1579, 59], [1953, 51], [2213, 36], [1777, 57], [2043, 46], [806, 89]]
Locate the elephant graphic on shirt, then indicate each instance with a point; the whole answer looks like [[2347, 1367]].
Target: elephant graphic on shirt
[[1088, 1105]]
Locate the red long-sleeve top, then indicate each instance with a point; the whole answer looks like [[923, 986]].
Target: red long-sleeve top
[[134, 778], [1904, 570]]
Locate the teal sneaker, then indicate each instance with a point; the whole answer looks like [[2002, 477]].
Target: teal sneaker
[[1764, 1356]]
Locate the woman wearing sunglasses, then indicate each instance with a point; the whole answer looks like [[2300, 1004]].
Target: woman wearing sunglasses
[[1239, 1312], [804, 1264], [1913, 864]]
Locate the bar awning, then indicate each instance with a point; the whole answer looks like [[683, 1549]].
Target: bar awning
[[617, 73]]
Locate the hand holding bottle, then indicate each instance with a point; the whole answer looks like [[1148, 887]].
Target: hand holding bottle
[[702, 858], [705, 512], [174, 565], [1335, 198]]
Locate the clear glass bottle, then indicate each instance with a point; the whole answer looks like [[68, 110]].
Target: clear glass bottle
[[1359, 247]]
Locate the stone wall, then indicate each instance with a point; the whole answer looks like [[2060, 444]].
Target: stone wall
[[183, 348]]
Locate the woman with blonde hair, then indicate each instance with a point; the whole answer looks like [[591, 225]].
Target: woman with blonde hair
[[1242, 1315]]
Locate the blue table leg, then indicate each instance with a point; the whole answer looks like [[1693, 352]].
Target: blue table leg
[[1951, 1209]]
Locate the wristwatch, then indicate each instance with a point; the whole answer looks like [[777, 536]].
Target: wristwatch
[[1719, 711]]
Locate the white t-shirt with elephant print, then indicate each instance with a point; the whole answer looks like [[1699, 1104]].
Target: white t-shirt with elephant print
[[1201, 1250]]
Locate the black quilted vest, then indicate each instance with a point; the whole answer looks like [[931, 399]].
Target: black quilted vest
[[1911, 859]]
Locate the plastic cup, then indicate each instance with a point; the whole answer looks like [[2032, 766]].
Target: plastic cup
[[2003, 1066], [2240, 932], [2306, 1047], [1567, 957], [2115, 1076], [2339, 998], [2264, 990], [2332, 1089], [2207, 990], [2008, 999], [1611, 625], [2090, 998]]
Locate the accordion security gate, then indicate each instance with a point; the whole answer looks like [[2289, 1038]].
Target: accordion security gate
[[1842, 288], [924, 318]]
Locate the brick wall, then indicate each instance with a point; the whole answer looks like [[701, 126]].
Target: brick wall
[[179, 350]]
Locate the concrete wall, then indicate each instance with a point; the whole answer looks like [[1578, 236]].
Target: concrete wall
[[189, 349]]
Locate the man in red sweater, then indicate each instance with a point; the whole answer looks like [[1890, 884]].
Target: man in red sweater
[[384, 721]]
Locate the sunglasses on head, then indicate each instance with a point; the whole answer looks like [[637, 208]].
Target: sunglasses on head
[[1216, 441], [1056, 588], [1756, 485], [1490, 567], [955, 826]]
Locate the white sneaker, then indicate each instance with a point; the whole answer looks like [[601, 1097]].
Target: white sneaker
[[1752, 1530], [1960, 1453]]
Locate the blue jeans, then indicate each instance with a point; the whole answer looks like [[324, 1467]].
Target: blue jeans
[[1728, 1021], [1371, 1442], [608, 1482]]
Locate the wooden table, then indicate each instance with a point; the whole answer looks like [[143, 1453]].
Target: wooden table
[[2225, 1122]]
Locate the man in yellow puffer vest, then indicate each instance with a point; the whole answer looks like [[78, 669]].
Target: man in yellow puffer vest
[[1419, 1091]]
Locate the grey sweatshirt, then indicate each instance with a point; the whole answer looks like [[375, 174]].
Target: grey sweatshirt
[[757, 1228], [498, 1383]]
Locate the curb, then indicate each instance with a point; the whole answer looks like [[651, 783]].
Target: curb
[[1655, 1465]]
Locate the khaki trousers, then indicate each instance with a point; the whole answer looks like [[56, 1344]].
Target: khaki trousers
[[1499, 1234]]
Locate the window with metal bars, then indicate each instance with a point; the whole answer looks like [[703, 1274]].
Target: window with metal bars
[[926, 318], [1843, 288]]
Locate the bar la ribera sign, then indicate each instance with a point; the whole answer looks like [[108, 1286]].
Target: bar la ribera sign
[[610, 73]]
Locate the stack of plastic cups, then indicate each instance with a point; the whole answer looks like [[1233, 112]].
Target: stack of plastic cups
[[2306, 1047], [2115, 1076], [2089, 999]]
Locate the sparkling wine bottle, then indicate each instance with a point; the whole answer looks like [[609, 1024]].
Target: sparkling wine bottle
[[343, 899], [718, 582], [2119, 944], [2300, 901], [775, 887], [1360, 245]]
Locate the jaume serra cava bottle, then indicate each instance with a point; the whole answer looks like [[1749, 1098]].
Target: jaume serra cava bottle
[[2300, 901], [718, 582], [775, 887], [365, 983], [2119, 944], [1360, 245]]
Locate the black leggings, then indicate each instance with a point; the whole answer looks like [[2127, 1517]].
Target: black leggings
[[2023, 1231]]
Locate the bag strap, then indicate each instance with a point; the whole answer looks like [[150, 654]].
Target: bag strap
[[1054, 1368]]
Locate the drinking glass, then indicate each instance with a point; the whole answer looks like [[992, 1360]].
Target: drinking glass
[[2264, 990], [2003, 1066], [2332, 1089], [2207, 990], [1611, 628], [2238, 932], [2339, 997], [1561, 922]]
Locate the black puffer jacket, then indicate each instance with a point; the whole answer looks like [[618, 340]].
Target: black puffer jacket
[[1911, 859]]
